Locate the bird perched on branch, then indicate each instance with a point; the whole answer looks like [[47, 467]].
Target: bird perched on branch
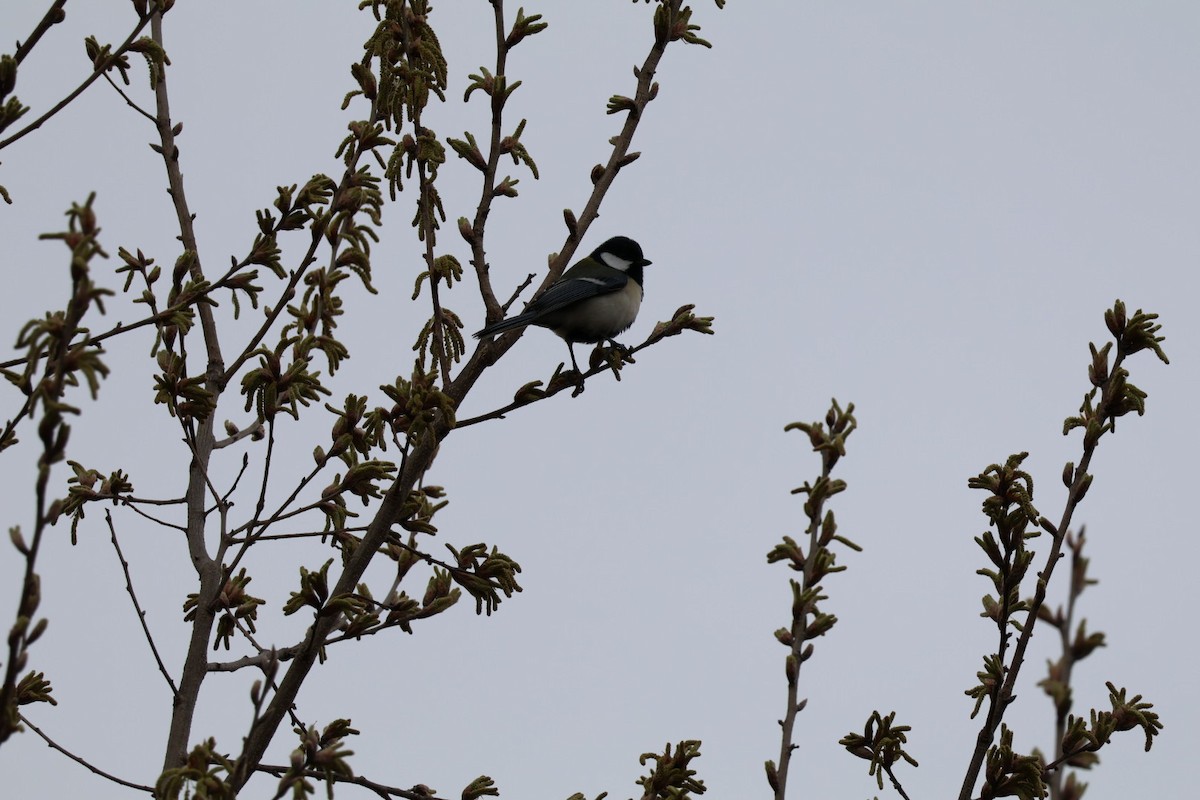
[[595, 300]]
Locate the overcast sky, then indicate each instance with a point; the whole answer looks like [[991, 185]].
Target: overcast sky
[[923, 208]]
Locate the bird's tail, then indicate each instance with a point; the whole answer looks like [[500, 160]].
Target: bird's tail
[[510, 324]]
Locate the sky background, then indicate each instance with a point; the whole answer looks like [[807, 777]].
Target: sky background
[[923, 208]]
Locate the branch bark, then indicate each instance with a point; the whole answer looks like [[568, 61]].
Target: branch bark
[[195, 666]]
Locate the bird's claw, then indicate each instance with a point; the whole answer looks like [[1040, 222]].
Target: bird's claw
[[625, 352], [563, 376]]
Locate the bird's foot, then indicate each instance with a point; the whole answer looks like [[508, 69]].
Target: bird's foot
[[564, 377], [625, 352], [614, 356], [579, 387]]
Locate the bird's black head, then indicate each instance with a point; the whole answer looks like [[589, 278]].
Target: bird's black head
[[623, 253], [623, 248]]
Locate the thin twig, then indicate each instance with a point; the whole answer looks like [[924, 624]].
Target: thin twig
[[269, 655], [22, 412], [128, 99], [150, 501], [94, 769], [379, 788], [287, 294], [52, 17], [224, 503], [895, 783], [141, 614], [1066, 625], [500, 413], [155, 519], [517, 292], [299, 535], [121, 328], [799, 640], [279, 515], [192, 439], [488, 190], [266, 478], [96, 73]]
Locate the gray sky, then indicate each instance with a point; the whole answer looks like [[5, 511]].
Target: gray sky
[[923, 208]]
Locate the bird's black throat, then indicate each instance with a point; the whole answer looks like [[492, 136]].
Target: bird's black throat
[[635, 272]]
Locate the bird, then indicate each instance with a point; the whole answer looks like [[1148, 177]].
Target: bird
[[596, 299]]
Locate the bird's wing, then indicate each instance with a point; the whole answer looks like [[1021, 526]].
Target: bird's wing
[[572, 290]]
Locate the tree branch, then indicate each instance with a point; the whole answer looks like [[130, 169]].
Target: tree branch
[[378, 788], [390, 511], [1114, 401], [209, 571], [96, 73], [153, 319], [530, 393], [141, 615], [52, 17], [94, 769], [488, 192], [128, 100]]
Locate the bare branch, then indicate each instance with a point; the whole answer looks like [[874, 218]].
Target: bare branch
[[208, 570], [253, 430], [141, 615], [153, 518], [261, 660], [128, 99], [895, 783], [94, 769], [517, 292]]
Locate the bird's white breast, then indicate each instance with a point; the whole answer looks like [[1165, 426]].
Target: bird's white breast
[[604, 316]]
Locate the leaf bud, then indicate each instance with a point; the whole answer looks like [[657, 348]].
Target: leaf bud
[[8, 75], [1115, 319], [1087, 484]]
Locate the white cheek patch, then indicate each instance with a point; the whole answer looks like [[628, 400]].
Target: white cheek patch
[[616, 262]]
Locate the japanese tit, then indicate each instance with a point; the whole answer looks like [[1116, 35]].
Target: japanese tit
[[596, 299]]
